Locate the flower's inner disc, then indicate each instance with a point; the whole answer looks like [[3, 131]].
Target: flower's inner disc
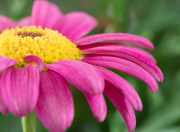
[[31, 34], [47, 44]]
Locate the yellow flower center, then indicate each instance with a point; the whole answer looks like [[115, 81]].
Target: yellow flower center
[[47, 44]]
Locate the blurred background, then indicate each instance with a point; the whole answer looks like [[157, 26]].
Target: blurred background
[[156, 20]]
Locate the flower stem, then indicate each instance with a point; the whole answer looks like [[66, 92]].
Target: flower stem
[[29, 122]]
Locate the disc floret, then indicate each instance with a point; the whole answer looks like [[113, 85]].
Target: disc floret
[[47, 44]]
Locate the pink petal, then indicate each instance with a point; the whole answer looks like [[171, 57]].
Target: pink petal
[[55, 106], [116, 37], [45, 14], [123, 85], [3, 107], [140, 51], [20, 89], [6, 22], [122, 104], [75, 25], [82, 75], [6, 62], [98, 106], [129, 55], [124, 66], [25, 22], [35, 59]]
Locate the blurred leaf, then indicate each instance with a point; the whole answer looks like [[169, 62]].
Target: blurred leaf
[[155, 101], [117, 123], [169, 46], [16, 7], [165, 117], [173, 129], [10, 123]]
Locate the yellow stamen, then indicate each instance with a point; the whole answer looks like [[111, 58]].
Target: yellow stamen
[[47, 44]]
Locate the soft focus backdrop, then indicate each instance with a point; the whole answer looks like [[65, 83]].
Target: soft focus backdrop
[[158, 21]]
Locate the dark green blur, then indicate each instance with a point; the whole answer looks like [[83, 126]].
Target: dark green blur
[[158, 21]]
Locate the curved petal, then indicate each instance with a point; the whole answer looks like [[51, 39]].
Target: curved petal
[[25, 22], [55, 106], [6, 62], [45, 14], [20, 89], [141, 52], [116, 37], [6, 22], [122, 104], [98, 106], [35, 59], [115, 45], [123, 85], [129, 55], [82, 75], [124, 66], [3, 107], [75, 25]]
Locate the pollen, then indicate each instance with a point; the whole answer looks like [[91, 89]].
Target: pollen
[[47, 44]]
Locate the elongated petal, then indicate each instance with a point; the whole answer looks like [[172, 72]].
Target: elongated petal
[[98, 106], [6, 22], [35, 59], [3, 107], [75, 25], [55, 104], [117, 37], [82, 75], [6, 62], [129, 55], [115, 45], [45, 14], [141, 52], [123, 85], [20, 89], [122, 104], [124, 66], [25, 22]]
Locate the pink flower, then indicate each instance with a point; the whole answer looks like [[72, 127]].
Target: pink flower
[[42, 84]]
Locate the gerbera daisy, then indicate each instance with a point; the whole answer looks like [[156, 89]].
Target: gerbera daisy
[[47, 49]]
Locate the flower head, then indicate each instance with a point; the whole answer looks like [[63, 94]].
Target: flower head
[[47, 44], [47, 50]]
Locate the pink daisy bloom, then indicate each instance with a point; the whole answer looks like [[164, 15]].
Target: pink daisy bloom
[[36, 64]]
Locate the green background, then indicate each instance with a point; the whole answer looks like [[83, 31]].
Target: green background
[[158, 21]]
